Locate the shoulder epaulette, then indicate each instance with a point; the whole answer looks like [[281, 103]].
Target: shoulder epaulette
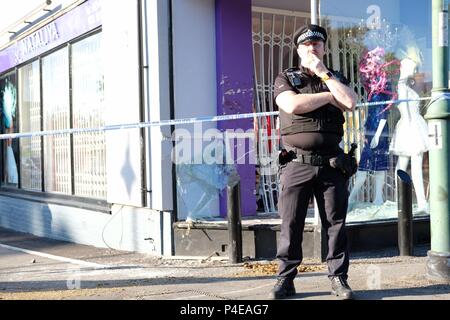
[[293, 69]]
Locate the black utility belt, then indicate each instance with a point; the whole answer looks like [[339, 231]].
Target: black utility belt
[[296, 155], [314, 160], [345, 162]]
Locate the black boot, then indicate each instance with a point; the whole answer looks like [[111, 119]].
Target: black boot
[[283, 288], [340, 288]]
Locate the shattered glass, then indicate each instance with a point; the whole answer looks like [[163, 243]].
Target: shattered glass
[[207, 179]]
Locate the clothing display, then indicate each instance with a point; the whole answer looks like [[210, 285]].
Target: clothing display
[[411, 132], [376, 159], [410, 139], [12, 174]]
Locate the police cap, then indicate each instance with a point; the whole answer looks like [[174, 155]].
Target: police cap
[[310, 32]]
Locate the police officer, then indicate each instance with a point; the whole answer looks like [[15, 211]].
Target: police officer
[[311, 101]]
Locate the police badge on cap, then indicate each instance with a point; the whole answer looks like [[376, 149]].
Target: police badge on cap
[[310, 32]]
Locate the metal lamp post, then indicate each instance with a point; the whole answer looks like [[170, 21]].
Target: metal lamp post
[[438, 115]]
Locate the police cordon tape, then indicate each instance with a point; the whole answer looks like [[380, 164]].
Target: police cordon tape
[[436, 97]]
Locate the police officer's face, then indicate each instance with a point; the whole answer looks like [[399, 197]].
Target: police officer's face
[[315, 47]]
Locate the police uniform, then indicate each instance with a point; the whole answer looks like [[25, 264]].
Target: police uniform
[[314, 139]]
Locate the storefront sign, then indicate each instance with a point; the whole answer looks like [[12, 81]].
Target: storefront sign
[[77, 22], [40, 39]]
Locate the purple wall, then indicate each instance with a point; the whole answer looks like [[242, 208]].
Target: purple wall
[[235, 85], [82, 19]]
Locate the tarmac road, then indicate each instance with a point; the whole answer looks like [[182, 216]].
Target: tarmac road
[[34, 268]]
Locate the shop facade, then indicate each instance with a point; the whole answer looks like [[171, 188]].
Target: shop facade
[[164, 60], [90, 187]]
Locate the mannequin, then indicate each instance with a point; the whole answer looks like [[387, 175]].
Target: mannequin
[[410, 139], [375, 153], [8, 106], [374, 157]]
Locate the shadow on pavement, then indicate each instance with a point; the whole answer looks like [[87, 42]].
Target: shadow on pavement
[[403, 293], [48, 286], [419, 251], [56, 285]]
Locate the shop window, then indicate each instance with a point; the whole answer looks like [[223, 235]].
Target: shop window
[[384, 48], [30, 121], [8, 105], [88, 112], [397, 33], [56, 116], [60, 91]]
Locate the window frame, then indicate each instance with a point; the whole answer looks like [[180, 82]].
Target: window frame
[[42, 196]]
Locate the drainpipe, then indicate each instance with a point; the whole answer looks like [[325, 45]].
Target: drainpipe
[[144, 98], [438, 115]]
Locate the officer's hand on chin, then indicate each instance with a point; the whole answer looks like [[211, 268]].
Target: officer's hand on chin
[[313, 63]]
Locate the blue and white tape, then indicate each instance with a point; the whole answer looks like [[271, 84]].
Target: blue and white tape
[[185, 121]]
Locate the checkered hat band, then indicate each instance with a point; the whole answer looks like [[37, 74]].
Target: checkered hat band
[[310, 34]]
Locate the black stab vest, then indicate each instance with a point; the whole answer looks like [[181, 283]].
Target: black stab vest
[[326, 119]]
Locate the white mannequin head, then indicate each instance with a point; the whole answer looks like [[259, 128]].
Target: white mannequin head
[[407, 68]]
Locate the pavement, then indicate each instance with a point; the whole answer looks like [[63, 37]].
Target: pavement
[[33, 268]]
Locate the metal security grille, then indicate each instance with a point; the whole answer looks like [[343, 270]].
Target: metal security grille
[[56, 116], [273, 52], [30, 114], [89, 149]]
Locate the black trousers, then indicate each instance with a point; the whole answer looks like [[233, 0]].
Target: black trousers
[[298, 183]]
